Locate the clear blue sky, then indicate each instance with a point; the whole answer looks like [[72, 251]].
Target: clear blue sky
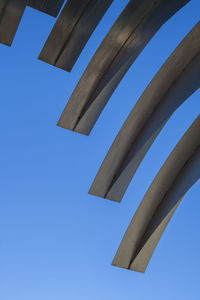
[[56, 241]]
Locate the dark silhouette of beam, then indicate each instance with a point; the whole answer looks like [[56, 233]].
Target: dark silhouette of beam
[[11, 12], [137, 24], [72, 30], [175, 178], [178, 78], [50, 7]]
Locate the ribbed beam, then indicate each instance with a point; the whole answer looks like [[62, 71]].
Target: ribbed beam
[[50, 7], [174, 83], [72, 30], [11, 12], [137, 24], [176, 177]]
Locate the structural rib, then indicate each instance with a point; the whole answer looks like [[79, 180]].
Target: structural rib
[[72, 30], [137, 24], [176, 177], [11, 12], [174, 83], [50, 7]]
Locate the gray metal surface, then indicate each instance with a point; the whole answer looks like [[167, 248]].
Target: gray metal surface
[[50, 7], [140, 20], [175, 178], [11, 12], [72, 30], [178, 78]]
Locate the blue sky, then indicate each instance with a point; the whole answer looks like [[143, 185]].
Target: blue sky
[[56, 241]]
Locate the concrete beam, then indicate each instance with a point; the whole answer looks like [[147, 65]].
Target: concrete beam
[[72, 30], [175, 178], [178, 78], [50, 7], [137, 24], [11, 12]]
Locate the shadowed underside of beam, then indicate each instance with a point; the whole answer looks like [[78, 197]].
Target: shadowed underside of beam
[[137, 24], [50, 7], [174, 83], [72, 30], [176, 177], [11, 12]]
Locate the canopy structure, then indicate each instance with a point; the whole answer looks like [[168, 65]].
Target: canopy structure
[[72, 30], [175, 82], [175, 178], [11, 12], [137, 24], [178, 78]]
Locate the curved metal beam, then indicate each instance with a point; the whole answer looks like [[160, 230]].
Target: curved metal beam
[[11, 12], [175, 178], [137, 24], [50, 7], [178, 78], [72, 30]]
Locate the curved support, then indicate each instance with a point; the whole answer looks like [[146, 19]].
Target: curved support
[[137, 24], [72, 30], [175, 178], [11, 12], [50, 7], [178, 78]]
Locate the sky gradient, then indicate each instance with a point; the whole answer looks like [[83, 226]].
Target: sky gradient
[[56, 241]]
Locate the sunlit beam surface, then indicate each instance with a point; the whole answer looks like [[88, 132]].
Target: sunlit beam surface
[[134, 28], [176, 177], [177, 80]]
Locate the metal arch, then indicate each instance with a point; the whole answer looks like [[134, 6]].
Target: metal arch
[[178, 78], [50, 7], [11, 12], [180, 171], [137, 24], [71, 32]]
